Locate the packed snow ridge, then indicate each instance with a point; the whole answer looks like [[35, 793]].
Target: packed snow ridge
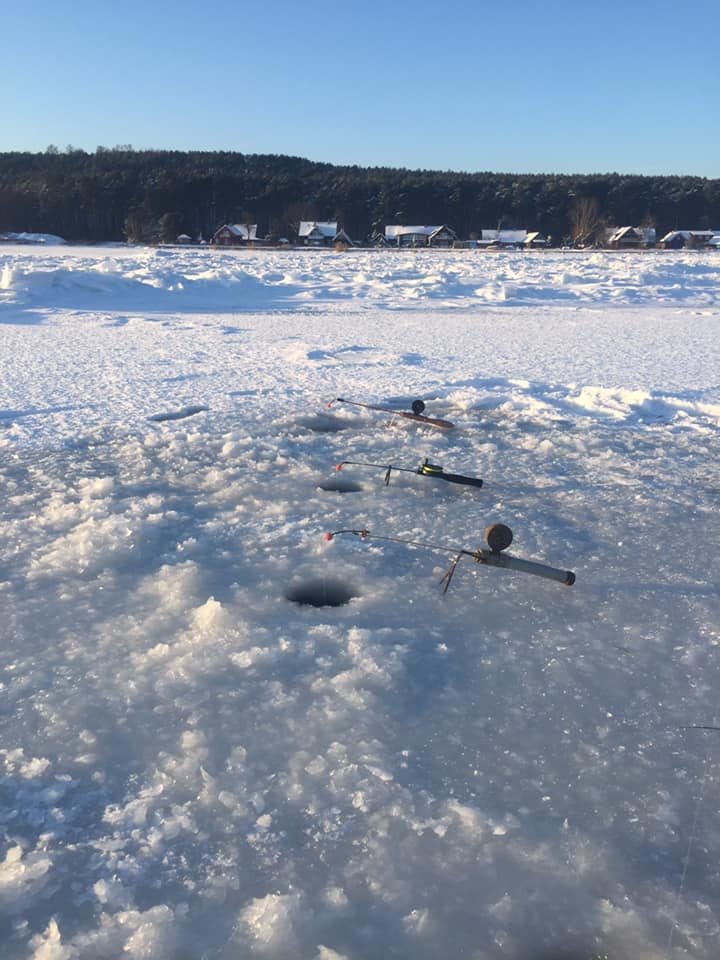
[[246, 280], [226, 736]]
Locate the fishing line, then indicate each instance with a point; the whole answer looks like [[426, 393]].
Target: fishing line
[[688, 852]]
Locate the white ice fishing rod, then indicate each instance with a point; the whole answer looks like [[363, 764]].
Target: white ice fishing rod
[[498, 538], [426, 469]]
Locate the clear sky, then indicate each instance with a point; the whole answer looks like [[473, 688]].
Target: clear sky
[[522, 86]]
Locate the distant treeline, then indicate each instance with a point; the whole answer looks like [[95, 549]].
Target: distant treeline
[[142, 195]]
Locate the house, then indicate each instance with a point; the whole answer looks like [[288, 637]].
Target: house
[[184, 239], [322, 233], [235, 234], [444, 236], [627, 238], [399, 235], [503, 239], [535, 239], [692, 239], [342, 238], [630, 238]]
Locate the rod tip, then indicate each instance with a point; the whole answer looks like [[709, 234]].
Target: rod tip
[[339, 467], [329, 536]]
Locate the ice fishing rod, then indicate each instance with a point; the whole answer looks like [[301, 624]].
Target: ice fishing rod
[[426, 469], [498, 538], [417, 412]]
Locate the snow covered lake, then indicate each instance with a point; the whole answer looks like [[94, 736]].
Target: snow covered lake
[[195, 765]]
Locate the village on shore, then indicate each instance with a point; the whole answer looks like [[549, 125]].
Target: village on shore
[[319, 234], [328, 234]]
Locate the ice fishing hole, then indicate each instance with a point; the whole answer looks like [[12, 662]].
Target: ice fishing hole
[[320, 592], [340, 486], [322, 424], [178, 414]]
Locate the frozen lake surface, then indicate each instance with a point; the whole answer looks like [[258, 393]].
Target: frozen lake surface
[[193, 765]]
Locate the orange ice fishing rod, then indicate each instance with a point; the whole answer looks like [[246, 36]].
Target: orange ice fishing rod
[[417, 412]]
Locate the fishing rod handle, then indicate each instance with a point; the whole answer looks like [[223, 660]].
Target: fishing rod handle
[[509, 562], [458, 478]]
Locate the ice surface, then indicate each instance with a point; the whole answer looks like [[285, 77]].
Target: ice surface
[[195, 766]]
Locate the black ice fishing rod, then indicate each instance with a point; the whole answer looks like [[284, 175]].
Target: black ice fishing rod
[[498, 538], [426, 469]]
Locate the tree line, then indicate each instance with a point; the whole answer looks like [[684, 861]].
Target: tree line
[[148, 195]]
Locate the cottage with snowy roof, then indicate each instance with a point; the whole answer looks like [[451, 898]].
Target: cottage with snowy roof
[[630, 238], [322, 233], [235, 234], [535, 239], [503, 239], [399, 235], [692, 239]]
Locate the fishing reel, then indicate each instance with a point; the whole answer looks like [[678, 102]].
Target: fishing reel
[[417, 407], [498, 537], [426, 469]]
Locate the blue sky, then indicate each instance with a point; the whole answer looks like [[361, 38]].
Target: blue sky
[[523, 86]]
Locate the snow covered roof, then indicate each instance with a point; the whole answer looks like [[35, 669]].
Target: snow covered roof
[[246, 231], [49, 239], [326, 228], [505, 236], [392, 231], [442, 228], [687, 234], [624, 233]]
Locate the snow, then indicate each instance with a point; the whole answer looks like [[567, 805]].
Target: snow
[[49, 239], [194, 765]]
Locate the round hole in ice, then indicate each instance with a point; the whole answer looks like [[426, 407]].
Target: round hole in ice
[[340, 486], [323, 424], [320, 592]]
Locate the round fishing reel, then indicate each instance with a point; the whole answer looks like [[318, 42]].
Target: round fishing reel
[[498, 537], [417, 407]]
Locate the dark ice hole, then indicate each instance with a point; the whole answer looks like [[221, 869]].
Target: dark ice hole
[[320, 592], [340, 486], [177, 414], [322, 424]]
